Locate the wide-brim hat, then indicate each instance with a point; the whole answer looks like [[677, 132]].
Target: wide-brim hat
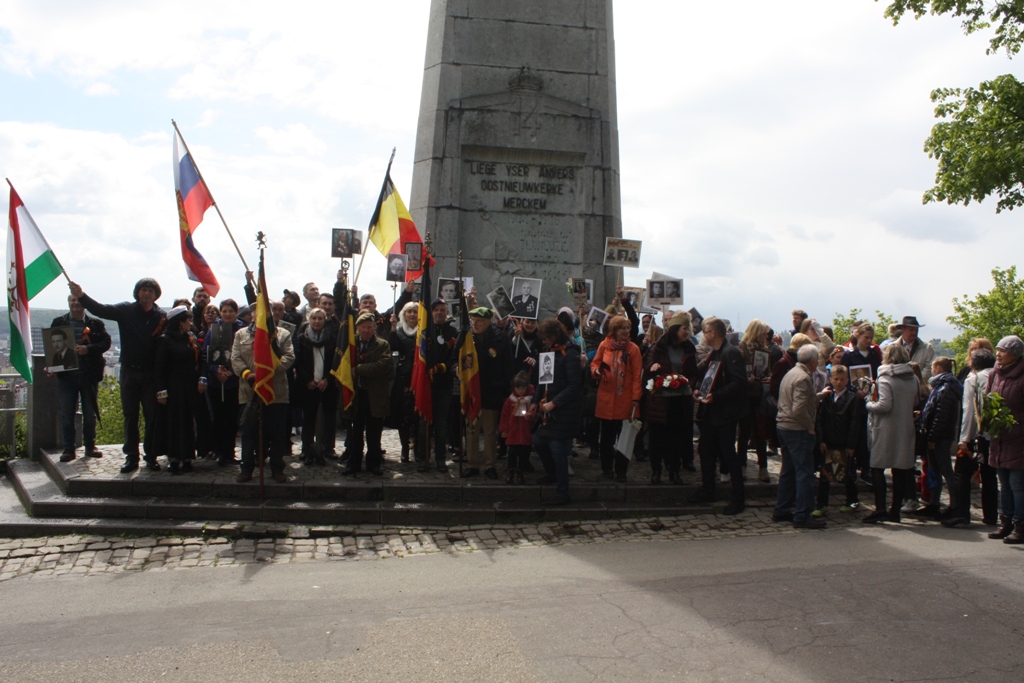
[[910, 321]]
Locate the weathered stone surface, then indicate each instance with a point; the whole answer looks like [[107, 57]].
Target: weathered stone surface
[[516, 160]]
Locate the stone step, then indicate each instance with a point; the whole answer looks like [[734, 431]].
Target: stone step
[[43, 498], [74, 480]]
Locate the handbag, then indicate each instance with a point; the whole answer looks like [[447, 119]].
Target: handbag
[[627, 436]]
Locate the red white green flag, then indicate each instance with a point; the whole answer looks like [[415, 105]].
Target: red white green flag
[[31, 266]]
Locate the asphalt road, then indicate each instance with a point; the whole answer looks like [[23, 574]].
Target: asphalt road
[[872, 604]]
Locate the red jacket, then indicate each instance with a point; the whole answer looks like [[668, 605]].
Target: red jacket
[[518, 428]]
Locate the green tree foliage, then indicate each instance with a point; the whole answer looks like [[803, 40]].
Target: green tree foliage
[[979, 142], [992, 315], [111, 427], [841, 324]]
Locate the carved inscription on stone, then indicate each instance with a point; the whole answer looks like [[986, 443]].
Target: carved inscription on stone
[[521, 186]]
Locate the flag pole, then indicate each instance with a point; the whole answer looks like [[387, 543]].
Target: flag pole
[[62, 271], [215, 205], [387, 174], [463, 433]]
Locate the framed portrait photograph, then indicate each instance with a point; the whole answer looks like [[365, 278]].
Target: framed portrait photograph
[[665, 292], [448, 287], [346, 243], [760, 369], [414, 250], [709, 379], [858, 371], [455, 308], [635, 296], [590, 291], [59, 347], [526, 297], [697, 318], [417, 292], [546, 368], [398, 265], [501, 302], [578, 289], [620, 252], [597, 319]]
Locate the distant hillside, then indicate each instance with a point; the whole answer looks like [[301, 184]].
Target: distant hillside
[[41, 317]]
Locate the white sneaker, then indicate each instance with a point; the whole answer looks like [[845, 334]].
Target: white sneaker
[[909, 506], [724, 478]]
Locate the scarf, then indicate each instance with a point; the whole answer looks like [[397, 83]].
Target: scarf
[[618, 364], [316, 338], [409, 331]]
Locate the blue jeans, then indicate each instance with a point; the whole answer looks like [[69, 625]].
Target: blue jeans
[[796, 480], [1011, 493], [70, 387], [554, 455]]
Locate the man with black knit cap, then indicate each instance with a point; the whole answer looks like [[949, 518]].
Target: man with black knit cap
[[140, 323]]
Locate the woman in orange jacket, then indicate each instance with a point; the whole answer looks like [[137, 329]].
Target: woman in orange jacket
[[617, 366]]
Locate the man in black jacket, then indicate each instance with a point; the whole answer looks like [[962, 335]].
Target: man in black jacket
[[441, 357], [495, 358], [140, 323], [723, 406], [91, 341]]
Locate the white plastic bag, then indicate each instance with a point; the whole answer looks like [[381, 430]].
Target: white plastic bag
[[627, 437]]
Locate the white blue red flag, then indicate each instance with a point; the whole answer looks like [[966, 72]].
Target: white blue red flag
[[193, 200]]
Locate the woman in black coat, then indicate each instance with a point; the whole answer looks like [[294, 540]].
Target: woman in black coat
[[670, 419], [559, 407], [178, 389], [403, 403], [314, 358]]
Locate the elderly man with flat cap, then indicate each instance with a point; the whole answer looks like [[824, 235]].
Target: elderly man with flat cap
[[140, 323], [495, 357], [372, 369]]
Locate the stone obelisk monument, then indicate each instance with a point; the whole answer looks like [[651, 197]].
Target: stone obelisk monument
[[517, 151]]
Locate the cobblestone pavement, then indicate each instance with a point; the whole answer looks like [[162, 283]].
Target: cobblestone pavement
[[87, 555]]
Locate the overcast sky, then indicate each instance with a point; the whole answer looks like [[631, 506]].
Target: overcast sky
[[771, 154]]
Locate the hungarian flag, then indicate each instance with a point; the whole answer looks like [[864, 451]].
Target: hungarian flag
[[346, 354], [469, 368], [265, 353], [391, 226], [193, 200], [425, 333], [31, 266]]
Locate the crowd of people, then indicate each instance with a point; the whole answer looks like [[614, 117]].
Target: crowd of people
[[835, 406]]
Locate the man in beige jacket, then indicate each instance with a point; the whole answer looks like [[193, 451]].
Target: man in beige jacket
[[798, 408], [276, 442]]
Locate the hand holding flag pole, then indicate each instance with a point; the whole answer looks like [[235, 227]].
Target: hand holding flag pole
[[215, 205]]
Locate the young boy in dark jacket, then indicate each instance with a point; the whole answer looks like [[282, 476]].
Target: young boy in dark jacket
[[839, 428]]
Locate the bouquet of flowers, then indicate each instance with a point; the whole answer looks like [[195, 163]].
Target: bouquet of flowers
[[669, 385]]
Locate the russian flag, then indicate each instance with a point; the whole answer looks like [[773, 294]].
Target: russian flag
[[193, 200]]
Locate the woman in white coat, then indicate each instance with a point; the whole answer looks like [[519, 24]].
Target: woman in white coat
[[891, 414]]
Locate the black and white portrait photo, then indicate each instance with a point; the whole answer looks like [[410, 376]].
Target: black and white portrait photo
[[546, 371], [346, 243], [635, 296], [620, 252], [500, 302], [414, 250], [397, 266], [655, 291], [526, 297], [597, 319], [448, 287], [59, 346], [455, 308]]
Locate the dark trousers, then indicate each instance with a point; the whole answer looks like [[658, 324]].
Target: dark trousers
[[442, 400], [554, 456], [518, 456], [276, 441], [612, 460], [72, 386], [664, 447], [224, 402], [902, 488], [751, 429], [204, 424], [312, 402], [138, 387], [365, 429], [718, 444]]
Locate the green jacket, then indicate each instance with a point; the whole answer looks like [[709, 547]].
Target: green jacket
[[373, 372]]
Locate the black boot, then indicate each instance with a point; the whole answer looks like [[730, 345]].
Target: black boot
[[1004, 530], [674, 478], [655, 473]]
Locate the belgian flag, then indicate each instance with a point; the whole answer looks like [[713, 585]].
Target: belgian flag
[[265, 352], [346, 353], [469, 367], [425, 333], [391, 226]]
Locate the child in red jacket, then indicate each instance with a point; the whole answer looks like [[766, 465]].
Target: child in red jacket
[[516, 427]]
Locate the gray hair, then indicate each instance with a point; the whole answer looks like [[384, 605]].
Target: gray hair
[[895, 354], [806, 353]]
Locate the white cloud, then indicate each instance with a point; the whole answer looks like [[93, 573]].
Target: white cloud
[[100, 89], [295, 138]]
